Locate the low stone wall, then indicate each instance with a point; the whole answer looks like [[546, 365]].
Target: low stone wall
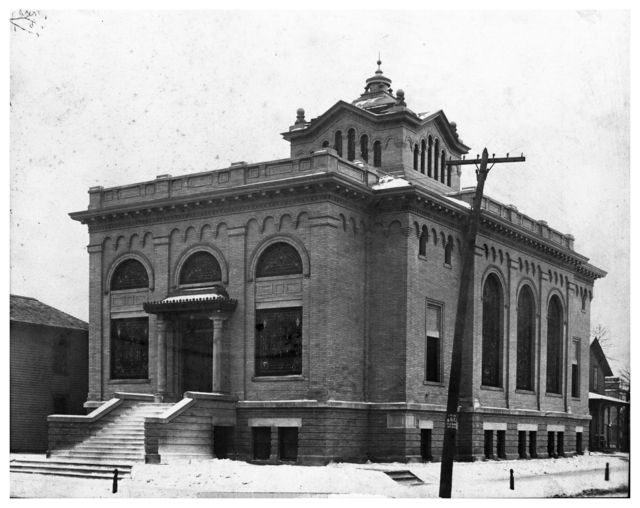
[[67, 431], [186, 430]]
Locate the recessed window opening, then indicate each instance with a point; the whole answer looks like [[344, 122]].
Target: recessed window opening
[[443, 167], [288, 443], [533, 450], [200, 268], [425, 444], [491, 332], [364, 147], [488, 444], [575, 370], [424, 239], [551, 444], [130, 348], [501, 435], [429, 156], [351, 144], [561, 444], [338, 142], [261, 443], [377, 154], [448, 249], [415, 157], [522, 444], [554, 346], [325, 144], [423, 154], [579, 449], [435, 159], [525, 338], [434, 331]]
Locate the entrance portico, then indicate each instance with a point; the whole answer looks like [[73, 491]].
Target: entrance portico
[[193, 322]]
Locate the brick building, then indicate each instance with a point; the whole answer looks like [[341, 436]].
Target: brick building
[[47, 370], [303, 308]]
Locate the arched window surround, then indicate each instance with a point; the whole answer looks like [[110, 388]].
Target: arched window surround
[[562, 340], [123, 257], [214, 251], [267, 242], [498, 380]]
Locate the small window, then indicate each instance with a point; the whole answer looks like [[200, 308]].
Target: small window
[[423, 154], [443, 167], [575, 370], [448, 249], [288, 441], [579, 449], [560, 450], [429, 156], [522, 444], [325, 144], [533, 444], [488, 444], [262, 443], [449, 169], [416, 154], [434, 329], [501, 435], [424, 239], [377, 154], [551, 444], [435, 160], [130, 274]]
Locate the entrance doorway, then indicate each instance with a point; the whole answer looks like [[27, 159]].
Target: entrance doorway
[[197, 355]]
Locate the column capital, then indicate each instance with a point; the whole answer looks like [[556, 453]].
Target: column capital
[[217, 321]]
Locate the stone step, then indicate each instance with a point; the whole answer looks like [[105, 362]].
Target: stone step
[[103, 471], [133, 448], [105, 455]]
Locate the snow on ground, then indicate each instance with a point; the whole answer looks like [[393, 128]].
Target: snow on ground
[[222, 478]]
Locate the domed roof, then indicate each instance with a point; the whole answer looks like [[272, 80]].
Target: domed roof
[[379, 79]]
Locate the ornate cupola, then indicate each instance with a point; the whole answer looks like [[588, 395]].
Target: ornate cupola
[[377, 96]]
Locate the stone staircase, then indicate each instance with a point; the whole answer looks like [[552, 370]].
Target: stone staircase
[[118, 444]]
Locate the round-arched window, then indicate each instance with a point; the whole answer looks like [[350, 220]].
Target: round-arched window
[[491, 332], [130, 274], [279, 259], [201, 267]]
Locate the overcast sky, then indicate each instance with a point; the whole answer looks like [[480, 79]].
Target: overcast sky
[[112, 98]]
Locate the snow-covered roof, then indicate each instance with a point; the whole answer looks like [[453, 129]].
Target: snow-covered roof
[[189, 298], [459, 202], [597, 396], [390, 182]]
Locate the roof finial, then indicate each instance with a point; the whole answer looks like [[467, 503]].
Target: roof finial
[[379, 71]]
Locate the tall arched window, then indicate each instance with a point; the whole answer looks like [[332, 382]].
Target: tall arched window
[[338, 143], [351, 144], [130, 274], [449, 169], [377, 154], [429, 156], [424, 239], [525, 350], [492, 332], [554, 345], [278, 329], [415, 156], [443, 167], [201, 268], [364, 147], [435, 159], [423, 154]]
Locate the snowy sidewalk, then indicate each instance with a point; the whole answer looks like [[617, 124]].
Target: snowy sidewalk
[[226, 478]]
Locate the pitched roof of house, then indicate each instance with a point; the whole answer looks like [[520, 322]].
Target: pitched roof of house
[[29, 310]]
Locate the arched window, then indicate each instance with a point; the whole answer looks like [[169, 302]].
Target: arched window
[[416, 153], [423, 153], [351, 144], [279, 259], [491, 332], [448, 249], [424, 238], [443, 167], [584, 301], [338, 143], [435, 159], [278, 329], [429, 156], [325, 144], [449, 168], [377, 154], [364, 147], [201, 267], [554, 345], [525, 351], [130, 274]]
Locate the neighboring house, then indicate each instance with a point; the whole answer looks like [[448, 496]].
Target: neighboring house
[[48, 370], [608, 404], [303, 309]]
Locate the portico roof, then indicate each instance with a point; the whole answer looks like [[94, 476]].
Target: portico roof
[[213, 299], [605, 398]]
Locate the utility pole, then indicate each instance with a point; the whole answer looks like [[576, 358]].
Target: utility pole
[[468, 257]]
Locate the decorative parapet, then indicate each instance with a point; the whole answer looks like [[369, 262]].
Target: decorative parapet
[[239, 174], [511, 214]]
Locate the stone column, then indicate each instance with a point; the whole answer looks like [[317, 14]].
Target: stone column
[[161, 328], [217, 354]]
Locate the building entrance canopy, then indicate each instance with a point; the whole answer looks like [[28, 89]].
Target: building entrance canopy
[[209, 299]]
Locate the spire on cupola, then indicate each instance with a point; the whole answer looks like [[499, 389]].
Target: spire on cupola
[[379, 82]]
